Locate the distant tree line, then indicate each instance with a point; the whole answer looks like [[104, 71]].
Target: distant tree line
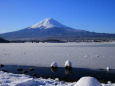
[[59, 40], [3, 40], [52, 40], [37, 41]]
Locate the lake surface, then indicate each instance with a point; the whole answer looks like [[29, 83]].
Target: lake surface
[[69, 75], [82, 55]]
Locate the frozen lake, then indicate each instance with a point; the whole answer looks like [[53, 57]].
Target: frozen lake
[[82, 55]]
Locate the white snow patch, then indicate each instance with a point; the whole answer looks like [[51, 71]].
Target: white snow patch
[[9, 79]]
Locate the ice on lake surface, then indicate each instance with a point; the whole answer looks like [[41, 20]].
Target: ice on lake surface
[[82, 55]]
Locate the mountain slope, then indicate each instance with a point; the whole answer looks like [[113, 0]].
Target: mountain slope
[[50, 28]]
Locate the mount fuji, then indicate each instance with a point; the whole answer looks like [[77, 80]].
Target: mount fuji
[[51, 29]]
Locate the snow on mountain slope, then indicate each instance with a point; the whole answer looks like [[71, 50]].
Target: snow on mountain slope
[[48, 23]]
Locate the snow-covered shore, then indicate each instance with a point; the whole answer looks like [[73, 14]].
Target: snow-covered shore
[[10, 79]]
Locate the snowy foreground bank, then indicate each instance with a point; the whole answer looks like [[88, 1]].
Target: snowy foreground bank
[[9, 79]]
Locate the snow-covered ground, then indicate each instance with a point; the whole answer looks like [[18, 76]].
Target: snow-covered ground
[[9, 79], [81, 55]]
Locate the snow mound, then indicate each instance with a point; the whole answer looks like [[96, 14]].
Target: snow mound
[[88, 81], [68, 63], [48, 23], [54, 64]]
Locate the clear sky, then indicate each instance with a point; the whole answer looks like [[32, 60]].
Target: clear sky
[[90, 15]]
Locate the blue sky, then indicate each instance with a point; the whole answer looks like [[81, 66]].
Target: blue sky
[[90, 15]]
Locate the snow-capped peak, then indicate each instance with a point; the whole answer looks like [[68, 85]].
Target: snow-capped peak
[[48, 23]]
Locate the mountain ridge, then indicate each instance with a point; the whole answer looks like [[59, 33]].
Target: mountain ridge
[[50, 28]]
